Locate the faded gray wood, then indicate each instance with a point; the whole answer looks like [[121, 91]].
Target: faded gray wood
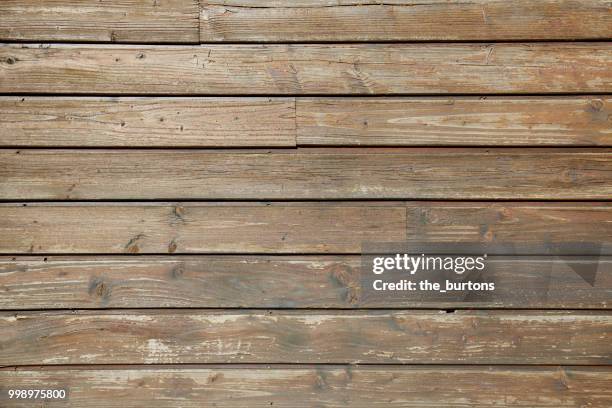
[[80, 282], [147, 122], [159, 21], [329, 386], [307, 69], [228, 336], [508, 121], [403, 20]]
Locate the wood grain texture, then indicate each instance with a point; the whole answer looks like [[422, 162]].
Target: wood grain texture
[[160, 21], [537, 225], [513, 121], [243, 336], [147, 122], [237, 122], [107, 228], [320, 386], [83, 282], [321, 174], [194, 228], [403, 20], [307, 69]]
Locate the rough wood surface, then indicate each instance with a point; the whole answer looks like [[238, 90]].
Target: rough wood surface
[[159, 21], [455, 121], [193, 228], [307, 69], [538, 225], [290, 227], [243, 336], [320, 386], [234, 122], [81, 282], [403, 20], [147, 122], [322, 174]]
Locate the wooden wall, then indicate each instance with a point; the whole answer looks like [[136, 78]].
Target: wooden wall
[[185, 189]]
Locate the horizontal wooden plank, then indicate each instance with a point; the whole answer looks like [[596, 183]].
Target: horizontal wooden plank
[[329, 386], [147, 122], [242, 336], [307, 69], [193, 228], [160, 21], [232, 122], [578, 121], [403, 20], [539, 225], [277, 282], [410, 173], [236, 122], [66, 228]]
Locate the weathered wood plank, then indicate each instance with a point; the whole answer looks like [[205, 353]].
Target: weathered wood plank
[[242, 336], [147, 122], [329, 386], [537, 224], [307, 69], [403, 20], [233, 122], [194, 228], [210, 122], [276, 282], [578, 121], [65, 228], [159, 21], [409, 173]]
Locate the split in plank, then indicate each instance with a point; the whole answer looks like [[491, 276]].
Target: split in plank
[[303, 228], [309, 386], [298, 337], [159, 21], [87, 282], [308, 174], [307, 69], [403, 20], [147, 122], [510, 121]]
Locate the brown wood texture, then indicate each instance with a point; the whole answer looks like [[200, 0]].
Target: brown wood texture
[[161, 21], [513, 121], [320, 386], [237, 122], [243, 336], [83, 282], [193, 228], [107, 228], [403, 20], [147, 122], [307, 69], [322, 174], [534, 224]]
